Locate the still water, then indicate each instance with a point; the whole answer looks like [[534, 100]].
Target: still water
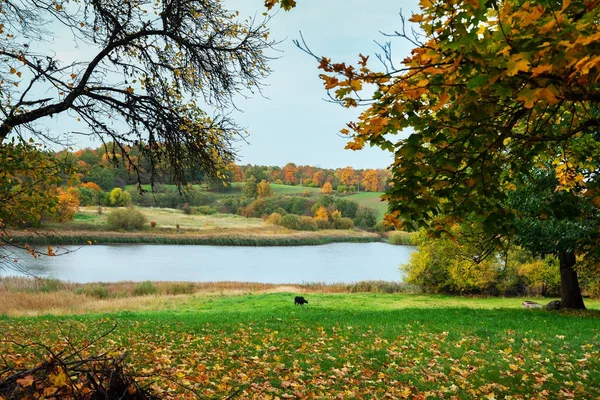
[[339, 262]]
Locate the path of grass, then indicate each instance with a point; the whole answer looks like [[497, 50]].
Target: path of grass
[[345, 346]]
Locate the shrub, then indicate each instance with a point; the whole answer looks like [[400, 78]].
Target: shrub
[[186, 208], [343, 223], [97, 291], [87, 196], [323, 224], [180, 288], [445, 266], [205, 210], [127, 219], [381, 227], [145, 289], [274, 219], [290, 221], [308, 224], [119, 198], [366, 217], [50, 285]]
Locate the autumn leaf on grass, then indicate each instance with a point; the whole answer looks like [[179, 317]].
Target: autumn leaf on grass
[[27, 381]]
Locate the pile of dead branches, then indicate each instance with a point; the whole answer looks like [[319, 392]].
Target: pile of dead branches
[[69, 374]]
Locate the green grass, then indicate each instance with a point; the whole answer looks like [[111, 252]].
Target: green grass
[[370, 199], [344, 345], [295, 190]]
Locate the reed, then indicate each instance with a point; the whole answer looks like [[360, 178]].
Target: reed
[[401, 238], [83, 238]]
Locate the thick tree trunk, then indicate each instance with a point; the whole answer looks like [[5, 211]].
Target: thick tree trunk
[[569, 285]]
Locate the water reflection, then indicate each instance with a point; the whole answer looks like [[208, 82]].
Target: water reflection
[[340, 262]]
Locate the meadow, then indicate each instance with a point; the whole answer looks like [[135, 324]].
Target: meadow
[[254, 343], [175, 227]]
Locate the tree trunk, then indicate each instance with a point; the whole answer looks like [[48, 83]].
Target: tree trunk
[[570, 292]]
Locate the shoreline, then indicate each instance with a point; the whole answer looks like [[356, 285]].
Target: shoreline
[[84, 237]]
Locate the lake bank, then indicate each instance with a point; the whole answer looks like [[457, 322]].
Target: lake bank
[[222, 237]]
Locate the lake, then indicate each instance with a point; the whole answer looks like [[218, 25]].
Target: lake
[[331, 263]]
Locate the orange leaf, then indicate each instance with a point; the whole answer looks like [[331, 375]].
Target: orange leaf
[[27, 381], [540, 69]]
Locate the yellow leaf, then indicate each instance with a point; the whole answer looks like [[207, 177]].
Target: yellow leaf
[[356, 85], [60, 379], [516, 64], [12, 70], [129, 89], [58, 7]]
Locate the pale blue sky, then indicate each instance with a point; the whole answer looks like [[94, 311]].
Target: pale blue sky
[[295, 124]]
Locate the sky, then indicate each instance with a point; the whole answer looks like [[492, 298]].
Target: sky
[[292, 121]]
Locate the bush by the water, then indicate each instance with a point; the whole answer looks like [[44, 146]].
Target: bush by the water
[[343, 223], [454, 266], [145, 289], [290, 221], [128, 219]]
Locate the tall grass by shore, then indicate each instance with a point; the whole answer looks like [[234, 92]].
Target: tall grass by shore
[[35, 296], [83, 238], [401, 238]]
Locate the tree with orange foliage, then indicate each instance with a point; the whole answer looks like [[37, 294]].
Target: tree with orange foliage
[[327, 189], [237, 173], [92, 185], [370, 181], [289, 174], [318, 178], [348, 176], [68, 204]]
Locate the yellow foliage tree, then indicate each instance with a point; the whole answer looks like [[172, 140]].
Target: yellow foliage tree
[[322, 214], [264, 189]]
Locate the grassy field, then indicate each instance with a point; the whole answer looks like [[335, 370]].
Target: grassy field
[[370, 199], [361, 345], [175, 227]]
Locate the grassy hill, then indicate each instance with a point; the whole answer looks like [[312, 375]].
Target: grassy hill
[[370, 199]]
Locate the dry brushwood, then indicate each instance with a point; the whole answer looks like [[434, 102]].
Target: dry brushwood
[[70, 375]]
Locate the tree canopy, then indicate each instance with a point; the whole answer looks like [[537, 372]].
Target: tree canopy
[[491, 91], [156, 71]]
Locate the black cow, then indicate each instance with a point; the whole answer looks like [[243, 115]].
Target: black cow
[[299, 300]]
